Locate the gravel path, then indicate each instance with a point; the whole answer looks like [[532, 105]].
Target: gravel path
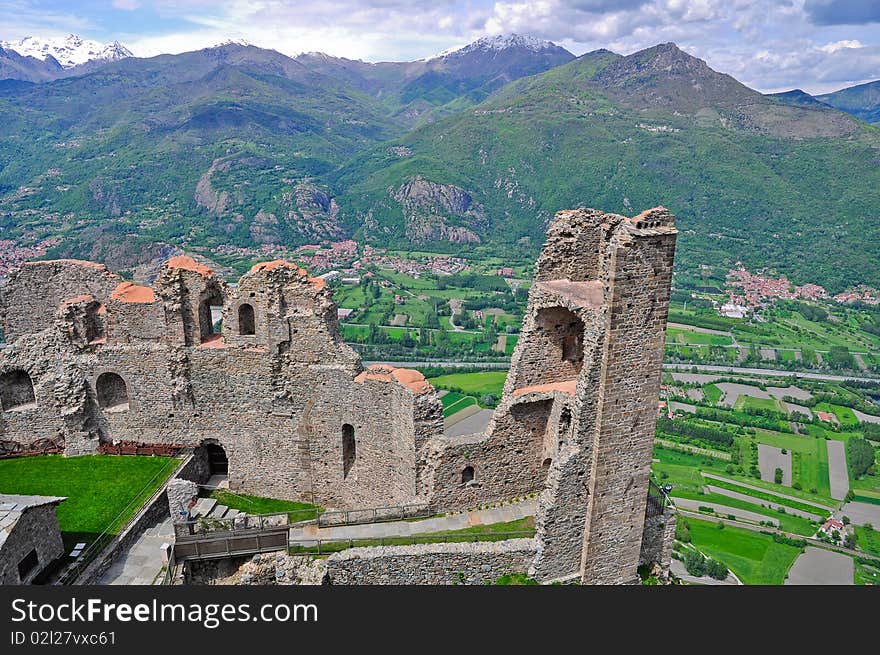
[[816, 566], [771, 458], [838, 475]]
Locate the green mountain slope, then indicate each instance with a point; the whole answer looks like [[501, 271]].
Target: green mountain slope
[[237, 147], [862, 101], [749, 178]]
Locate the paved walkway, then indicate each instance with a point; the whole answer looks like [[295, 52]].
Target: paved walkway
[[746, 485], [144, 560], [838, 475], [474, 423], [457, 521], [816, 566]]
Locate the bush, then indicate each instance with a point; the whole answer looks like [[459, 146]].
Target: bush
[[695, 563], [716, 569], [682, 530], [777, 476], [797, 485]]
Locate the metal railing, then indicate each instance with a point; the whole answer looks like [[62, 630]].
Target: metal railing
[[327, 546], [658, 500], [231, 545], [203, 526]]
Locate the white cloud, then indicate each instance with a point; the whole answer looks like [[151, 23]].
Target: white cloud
[[840, 45], [767, 44]]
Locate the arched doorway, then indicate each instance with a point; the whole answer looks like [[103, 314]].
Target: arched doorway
[[112, 392], [218, 463], [246, 320]]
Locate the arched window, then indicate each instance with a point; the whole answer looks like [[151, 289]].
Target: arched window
[[246, 321], [111, 391], [348, 449], [210, 315], [16, 390], [467, 474]]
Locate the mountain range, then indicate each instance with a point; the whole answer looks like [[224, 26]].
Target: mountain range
[[470, 151]]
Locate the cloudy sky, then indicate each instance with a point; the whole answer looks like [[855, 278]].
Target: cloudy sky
[[771, 45]]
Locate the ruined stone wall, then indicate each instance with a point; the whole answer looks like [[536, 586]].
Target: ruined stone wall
[[658, 538], [431, 564], [34, 292], [275, 401], [37, 528]]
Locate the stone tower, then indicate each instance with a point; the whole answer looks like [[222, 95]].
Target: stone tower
[[592, 342]]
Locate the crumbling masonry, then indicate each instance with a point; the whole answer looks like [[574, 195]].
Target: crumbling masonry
[[280, 400]]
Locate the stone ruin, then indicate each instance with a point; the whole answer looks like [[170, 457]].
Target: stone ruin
[[277, 399]]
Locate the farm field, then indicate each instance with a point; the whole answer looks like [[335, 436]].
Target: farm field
[[755, 558]]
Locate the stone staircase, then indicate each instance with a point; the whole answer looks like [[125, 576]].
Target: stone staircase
[[208, 508]]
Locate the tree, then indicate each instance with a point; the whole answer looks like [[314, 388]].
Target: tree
[[695, 562], [850, 540], [716, 569], [777, 476], [845, 520], [860, 454]]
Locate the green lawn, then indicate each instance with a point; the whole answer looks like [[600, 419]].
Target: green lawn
[[260, 505], [754, 557], [478, 384], [810, 467], [788, 522], [103, 491], [868, 539], [458, 404], [761, 495], [844, 414], [745, 402], [680, 335], [712, 394]]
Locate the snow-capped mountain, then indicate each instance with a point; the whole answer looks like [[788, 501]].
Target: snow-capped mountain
[[500, 43], [68, 51]]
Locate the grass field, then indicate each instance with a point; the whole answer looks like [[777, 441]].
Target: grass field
[[754, 557], [811, 467], [473, 383], [712, 394], [745, 402], [788, 522], [103, 491], [456, 403], [691, 337], [260, 505], [768, 497]]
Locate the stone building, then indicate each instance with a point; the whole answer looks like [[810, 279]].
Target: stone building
[[281, 403], [29, 537]]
